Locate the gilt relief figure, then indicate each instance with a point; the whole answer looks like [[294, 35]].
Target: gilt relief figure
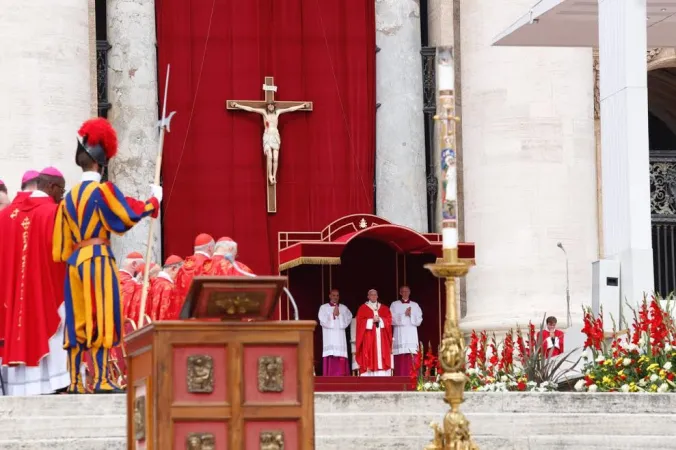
[[200, 374]]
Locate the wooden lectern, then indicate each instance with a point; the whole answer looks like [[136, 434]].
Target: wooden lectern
[[228, 378]]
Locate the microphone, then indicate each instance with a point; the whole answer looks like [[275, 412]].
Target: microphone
[[568, 318], [230, 257]]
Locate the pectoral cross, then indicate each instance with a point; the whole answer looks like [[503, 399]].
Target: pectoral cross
[[272, 141]]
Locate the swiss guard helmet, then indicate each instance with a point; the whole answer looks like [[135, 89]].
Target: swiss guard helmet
[[98, 139]]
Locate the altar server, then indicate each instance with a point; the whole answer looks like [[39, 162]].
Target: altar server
[[406, 318], [374, 337], [334, 318], [552, 339], [87, 216]]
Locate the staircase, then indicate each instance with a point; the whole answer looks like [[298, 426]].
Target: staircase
[[386, 420]]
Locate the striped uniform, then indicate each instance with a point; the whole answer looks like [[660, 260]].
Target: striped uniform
[[93, 210]]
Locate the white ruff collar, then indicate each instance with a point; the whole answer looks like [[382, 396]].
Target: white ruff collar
[[374, 306]]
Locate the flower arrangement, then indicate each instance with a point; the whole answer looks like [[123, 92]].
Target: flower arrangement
[[517, 363], [640, 359], [425, 372]]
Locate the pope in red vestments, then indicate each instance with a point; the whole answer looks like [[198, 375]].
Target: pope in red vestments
[[192, 266], [165, 305], [374, 337], [37, 363]]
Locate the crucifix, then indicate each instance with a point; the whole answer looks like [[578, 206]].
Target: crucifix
[[270, 110]]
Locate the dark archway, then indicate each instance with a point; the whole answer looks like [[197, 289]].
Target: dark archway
[[662, 138]]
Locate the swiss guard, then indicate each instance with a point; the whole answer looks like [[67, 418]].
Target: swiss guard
[[85, 219]]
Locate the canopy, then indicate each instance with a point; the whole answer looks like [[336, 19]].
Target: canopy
[[326, 246], [574, 23]]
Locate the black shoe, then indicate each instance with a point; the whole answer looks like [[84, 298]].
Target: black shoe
[[110, 391]]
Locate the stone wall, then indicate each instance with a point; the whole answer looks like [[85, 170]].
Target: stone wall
[[44, 85]]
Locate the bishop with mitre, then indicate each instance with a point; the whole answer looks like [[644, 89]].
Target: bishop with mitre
[[374, 338]]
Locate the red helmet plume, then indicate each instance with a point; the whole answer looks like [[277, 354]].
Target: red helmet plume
[[99, 132]]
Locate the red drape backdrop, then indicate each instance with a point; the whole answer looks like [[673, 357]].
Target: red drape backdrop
[[214, 168]]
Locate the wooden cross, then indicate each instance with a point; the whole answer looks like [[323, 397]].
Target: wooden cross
[[269, 88]]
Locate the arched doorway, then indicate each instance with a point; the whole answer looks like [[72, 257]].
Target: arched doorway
[[662, 138]]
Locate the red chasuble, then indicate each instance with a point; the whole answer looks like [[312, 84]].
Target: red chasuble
[[191, 267], [163, 299], [135, 303], [374, 344], [552, 345], [218, 265], [32, 312], [10, 254]]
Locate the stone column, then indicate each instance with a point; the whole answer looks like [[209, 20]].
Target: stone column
[[529, 172], [624, 137], [400, 143], [44, 85], [132, 91]]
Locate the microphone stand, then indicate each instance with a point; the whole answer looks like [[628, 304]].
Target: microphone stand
[[568, 318], [232, 261]]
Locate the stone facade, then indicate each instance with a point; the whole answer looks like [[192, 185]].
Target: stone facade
[[529, 172], [44, 85], [132, 91], [400, 143]]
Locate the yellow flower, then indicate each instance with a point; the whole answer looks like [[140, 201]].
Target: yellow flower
[[608, 362], [653, 388], [643, 359], [663, 374], [653, 367], [621, 372], [591, 376], [633, 387]]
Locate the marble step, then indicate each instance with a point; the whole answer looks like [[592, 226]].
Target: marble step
[[63, 427], [560, 442]]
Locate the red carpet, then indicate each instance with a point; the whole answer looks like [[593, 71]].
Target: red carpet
[[362, 384]]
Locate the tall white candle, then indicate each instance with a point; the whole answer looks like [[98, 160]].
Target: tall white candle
[[449, 237], [446, 77]]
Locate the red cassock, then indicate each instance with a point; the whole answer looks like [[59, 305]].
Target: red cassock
[[9, 254], [368, 339], [32, 315], [192, 266], [220, 266], [164, 300], [552, 345], [135, 303]]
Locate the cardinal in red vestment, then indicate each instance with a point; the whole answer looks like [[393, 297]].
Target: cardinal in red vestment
[[374, 337], [165, 305], [192, 266], [137, 296], [225, 251], [33, 329], [551, 338], [128, 282]]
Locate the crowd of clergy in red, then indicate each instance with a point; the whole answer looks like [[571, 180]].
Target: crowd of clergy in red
[[169, 284]]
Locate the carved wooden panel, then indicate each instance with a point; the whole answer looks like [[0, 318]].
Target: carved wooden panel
[[272, 440], [200, 374], [270, 374], [200, 441]]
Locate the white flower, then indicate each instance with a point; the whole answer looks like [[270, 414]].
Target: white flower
[[667, 347], [531, 384], [664, 387], [654, 377], [632, 347], [625, 388], [472, 371], [427, 386], [580, 385], [667, 365], [504, 378], [626, 361], [600, 359], [593, 388], [436, 385], [642, 382]]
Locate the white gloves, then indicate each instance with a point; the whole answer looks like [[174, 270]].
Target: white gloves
[[157, 192]]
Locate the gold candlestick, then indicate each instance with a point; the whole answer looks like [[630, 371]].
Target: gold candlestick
[[455, 433]]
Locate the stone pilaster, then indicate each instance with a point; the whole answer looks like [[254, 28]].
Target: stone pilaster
[[624, 135], [132, 91], [44, 85], [529, 168], [400, 144]]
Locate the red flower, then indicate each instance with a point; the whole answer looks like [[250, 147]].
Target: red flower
[[588, 381], [430, 362], [593, 328], [473, 350], [521, 386], [507, 355], [415, 369]]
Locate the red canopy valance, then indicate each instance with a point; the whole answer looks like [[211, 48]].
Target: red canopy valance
[[326, 246]]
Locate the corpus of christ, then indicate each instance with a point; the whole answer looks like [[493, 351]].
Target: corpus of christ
[[446, 252]]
